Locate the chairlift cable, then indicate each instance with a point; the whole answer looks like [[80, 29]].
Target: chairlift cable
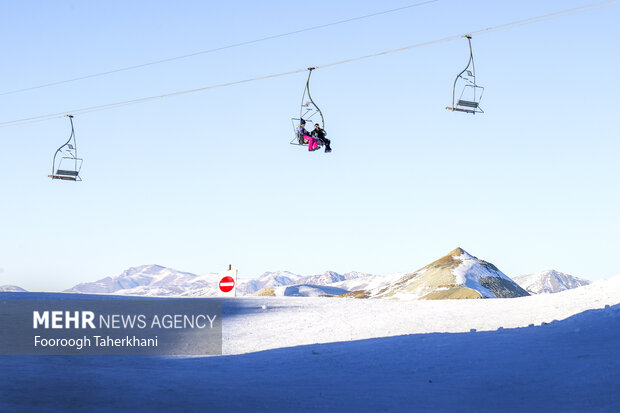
[[518, 23], [217, 49]]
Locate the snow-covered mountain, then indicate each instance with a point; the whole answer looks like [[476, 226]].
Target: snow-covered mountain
[[266, 280], [330, 277], [457, 275], [11, 289], [286, 278], [549, 281], [151, 280]]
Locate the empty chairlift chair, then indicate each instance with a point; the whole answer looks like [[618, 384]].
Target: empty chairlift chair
[[471, 93], [66, 164]]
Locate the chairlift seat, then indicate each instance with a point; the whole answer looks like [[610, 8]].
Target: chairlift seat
[[298, 139], [66, 175], [467, 103], [66, 172]]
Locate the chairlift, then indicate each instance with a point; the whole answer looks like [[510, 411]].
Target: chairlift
[[471, 93], [66, 164], [309, 113]]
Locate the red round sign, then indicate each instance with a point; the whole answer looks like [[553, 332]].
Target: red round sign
[[227, 284]]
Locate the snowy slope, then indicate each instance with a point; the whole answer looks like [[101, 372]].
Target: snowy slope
[[549, 281], [11, 288], [568, 366], [369, 282], [472, 272], [259, 323], [541, 353], [290, 321], [302, 290]]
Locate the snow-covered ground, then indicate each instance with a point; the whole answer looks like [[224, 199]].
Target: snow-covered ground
[[292, 321], [286, 354]]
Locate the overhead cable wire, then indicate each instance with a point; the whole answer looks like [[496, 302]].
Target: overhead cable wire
[[217, 49], [487, 30]]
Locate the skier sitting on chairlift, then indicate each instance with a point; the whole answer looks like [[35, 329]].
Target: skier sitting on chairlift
[[305, 136], [320, 135]]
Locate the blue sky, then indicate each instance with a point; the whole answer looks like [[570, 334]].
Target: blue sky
[[199, 181]]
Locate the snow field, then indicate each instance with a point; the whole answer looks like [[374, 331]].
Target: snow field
[[291, 321]]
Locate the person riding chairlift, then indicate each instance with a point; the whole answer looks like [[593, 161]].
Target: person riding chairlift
[[305, 136], [320, 135]]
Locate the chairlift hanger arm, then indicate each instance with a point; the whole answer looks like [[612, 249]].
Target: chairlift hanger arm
[[71, 137], [469, 63], [307, 90]]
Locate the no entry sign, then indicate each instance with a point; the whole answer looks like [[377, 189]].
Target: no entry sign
[[227, 284]]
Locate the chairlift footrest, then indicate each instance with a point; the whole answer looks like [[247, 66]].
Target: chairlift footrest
[[64, 178], [461, 110]]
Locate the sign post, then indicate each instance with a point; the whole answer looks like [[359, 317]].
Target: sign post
[[227, 286]]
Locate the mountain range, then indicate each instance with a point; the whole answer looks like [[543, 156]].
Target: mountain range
[[156, 280], [456, 275]]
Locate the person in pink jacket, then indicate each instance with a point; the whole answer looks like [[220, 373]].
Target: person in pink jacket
[[304, 136]]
